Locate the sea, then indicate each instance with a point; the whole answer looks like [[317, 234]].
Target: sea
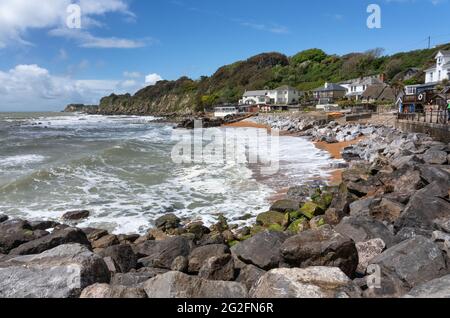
[[122, 169]]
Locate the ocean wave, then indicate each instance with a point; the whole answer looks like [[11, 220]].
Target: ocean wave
[[120, 169], [19, 160]]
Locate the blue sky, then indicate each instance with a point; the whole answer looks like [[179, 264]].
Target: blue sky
[[124, 45]]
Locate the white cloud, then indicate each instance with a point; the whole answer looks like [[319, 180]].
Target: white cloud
[[152, 79], [132, 74], [31, 88], [272, 28], [17, 17], [87, 40]]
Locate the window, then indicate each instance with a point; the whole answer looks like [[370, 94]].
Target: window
[[439, 60], [431, 76], [439, 76], [411, 90]]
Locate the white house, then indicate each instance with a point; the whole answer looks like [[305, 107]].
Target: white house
[[283, 95], [255, 97], [442, 69], [356, 87]]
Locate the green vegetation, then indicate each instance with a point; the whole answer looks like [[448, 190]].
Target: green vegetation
[[305, 70]]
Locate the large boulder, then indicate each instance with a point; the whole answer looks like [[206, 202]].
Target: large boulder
[[98, 291], [437, 288], [362, 207], [342, 199], [262, 250], [387, 210], [365, 229], [285, 206], [406, 180], [218, 268], [197, 229], [57, 238], [407, 265], [180, 264], [76, 215], [105, 241], [165, 252], [271, 218], [363, 187], [367, 251], [179, 285], [62, 272], [435, 157], [200, 255], [321, 247], [14, 233], [136, 278], [94, 234], [3, 218], [122, 255], [43, 225], [249, 275], [167, 222], [435, 174], [425, 207], [402, 162], [312, 282]]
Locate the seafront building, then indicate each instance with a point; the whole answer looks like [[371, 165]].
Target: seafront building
[[283, 95]]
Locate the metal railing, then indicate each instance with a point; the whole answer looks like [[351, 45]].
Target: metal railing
[[433, 117]]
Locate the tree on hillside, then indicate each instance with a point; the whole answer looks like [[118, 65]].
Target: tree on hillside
[[398, 88], [393, 67], [313, 55]]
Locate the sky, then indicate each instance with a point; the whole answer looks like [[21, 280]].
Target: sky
[[48, 59]]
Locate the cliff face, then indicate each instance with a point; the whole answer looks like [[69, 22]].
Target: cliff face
[[186, 96], [81, 108], [163, 98]]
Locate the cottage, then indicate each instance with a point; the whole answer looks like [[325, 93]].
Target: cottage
[[441, 71], [410, 73], [284, 95], [329, 93], [356, 87], [377, 93]]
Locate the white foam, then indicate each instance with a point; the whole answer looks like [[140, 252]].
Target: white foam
[[121, 192], [20, 160], [83, 121]]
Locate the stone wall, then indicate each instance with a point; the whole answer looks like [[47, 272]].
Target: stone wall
[[438, 131]]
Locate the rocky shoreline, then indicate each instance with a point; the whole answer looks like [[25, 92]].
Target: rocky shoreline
[[389, 216]]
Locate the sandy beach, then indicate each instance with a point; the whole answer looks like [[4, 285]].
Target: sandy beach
[[248, 124], [335, 149]]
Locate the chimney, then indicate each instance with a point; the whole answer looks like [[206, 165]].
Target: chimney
[[326, 84]]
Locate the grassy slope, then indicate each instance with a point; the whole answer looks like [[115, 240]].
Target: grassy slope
[[306, 70]]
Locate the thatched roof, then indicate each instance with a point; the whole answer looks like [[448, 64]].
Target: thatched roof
[[379, 92]]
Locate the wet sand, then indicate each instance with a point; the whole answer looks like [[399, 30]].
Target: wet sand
[[335, 150], [248, 124]]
